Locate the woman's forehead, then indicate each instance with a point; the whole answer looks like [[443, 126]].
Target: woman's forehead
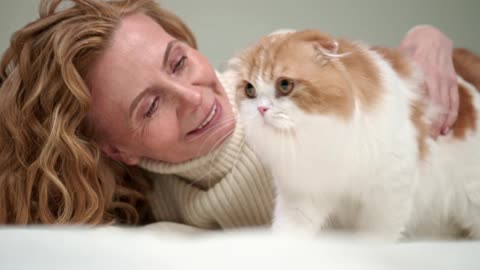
[[140, 34], [137, 50]]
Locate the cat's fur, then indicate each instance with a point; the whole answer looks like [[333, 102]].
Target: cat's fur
[[349, 147]]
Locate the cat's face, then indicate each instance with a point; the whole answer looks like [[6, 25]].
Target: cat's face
[[287, 76]]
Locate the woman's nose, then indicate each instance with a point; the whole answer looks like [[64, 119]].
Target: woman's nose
[[189, 96]]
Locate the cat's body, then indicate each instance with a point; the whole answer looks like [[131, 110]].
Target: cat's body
[[345, 131]]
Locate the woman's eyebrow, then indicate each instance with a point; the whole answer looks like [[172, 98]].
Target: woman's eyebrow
[[167, 51]]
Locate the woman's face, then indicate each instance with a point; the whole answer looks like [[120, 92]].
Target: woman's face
[[156, 97]]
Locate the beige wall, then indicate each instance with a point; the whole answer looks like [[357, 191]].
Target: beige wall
[[224, 26]]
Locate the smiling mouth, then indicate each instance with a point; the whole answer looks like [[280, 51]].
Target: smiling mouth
[[208, 120]]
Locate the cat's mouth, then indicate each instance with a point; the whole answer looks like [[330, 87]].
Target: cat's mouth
[[209, 121]]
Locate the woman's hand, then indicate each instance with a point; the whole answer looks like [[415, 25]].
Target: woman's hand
[[432, 51]]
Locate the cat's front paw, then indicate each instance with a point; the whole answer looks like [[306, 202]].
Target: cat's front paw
[[395, 234], [289, 226]]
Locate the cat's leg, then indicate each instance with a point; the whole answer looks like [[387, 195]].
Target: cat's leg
[[384, 215], [470, 212], [469, 224], [299, 216], [474, 231]]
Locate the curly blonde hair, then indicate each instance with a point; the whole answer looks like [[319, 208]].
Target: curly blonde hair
[[51, 169]]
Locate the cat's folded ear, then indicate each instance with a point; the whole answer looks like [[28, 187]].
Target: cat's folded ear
[[324, 44]]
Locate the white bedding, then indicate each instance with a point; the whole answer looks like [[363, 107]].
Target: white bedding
[[160, 248]]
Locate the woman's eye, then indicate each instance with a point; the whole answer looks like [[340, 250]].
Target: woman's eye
[[179, 65], [153, 107]]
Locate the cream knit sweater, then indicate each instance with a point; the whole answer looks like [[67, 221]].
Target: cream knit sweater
[[228, 188]]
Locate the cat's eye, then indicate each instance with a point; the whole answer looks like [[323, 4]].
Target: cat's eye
[[284, 85], [250, 90]]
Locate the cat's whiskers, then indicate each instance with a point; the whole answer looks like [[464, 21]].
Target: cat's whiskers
[[281, 116], [210, 169], [220, 128], [282, 148], [246, 127], [214, 126], [288, 140], [210, 165], [241, 144], [285, 145], [293, 151], [218, 144]]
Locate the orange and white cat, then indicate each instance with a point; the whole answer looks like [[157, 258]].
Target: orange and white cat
[[344, 128]]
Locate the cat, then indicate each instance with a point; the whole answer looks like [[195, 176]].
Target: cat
[[344, 128]]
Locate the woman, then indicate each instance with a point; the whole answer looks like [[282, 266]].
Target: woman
[[91, 94]]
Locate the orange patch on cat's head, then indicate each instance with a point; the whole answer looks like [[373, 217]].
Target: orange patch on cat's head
[[323, 84]]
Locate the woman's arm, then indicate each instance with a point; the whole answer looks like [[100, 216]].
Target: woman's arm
[[432, 51]]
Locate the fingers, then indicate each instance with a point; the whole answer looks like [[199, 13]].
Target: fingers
[[432, 52], [445, 102], [435, 96], [453, 110], [443, 91], [449, 83]]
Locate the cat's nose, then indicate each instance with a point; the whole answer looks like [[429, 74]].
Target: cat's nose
[[262, 109]]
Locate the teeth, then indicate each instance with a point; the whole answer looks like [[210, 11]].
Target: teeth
[[209, 118]]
